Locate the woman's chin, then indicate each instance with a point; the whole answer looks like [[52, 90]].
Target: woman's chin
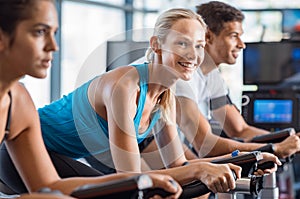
[[186, 77], [39, 75]]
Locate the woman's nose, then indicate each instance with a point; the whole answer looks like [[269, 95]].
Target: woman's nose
[[51, 44], [191, 54]]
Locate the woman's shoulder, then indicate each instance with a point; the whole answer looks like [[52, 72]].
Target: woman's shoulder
[[121, 70], [122, 80], [123, 75], [23, 113], [21, 99], [19, 91]]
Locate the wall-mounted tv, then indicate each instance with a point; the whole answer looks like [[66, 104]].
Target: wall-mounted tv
[[271, 63]]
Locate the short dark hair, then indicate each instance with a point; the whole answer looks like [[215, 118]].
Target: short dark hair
[[216, 13]]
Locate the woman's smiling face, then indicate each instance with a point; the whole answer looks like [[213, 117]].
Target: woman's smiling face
[[183, 47]]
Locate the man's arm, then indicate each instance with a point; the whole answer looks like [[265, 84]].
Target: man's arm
[[198, 131], [234, 124]]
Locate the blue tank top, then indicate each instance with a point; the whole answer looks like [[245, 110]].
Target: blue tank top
[[71, 127]]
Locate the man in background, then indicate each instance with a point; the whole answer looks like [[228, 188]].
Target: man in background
[[206, 94]]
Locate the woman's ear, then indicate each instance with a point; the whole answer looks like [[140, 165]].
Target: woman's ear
[[155, 45]]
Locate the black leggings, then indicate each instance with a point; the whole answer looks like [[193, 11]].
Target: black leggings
[[65, 167]]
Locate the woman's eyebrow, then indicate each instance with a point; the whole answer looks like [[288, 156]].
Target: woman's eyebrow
[[188, 39], [43, 25]]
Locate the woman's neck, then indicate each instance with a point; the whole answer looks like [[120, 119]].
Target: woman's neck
[[7, 76], [4, 88], [6, 81], [160, 77]]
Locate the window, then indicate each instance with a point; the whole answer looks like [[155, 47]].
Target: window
[[81, 37], [262, 25], [39, 89], [115, 2]]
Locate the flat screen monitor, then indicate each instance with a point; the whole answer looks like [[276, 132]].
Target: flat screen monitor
[[271, 63], [273, 111]]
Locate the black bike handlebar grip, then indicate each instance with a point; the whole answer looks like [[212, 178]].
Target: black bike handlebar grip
[[275, 137], [253, 156], [148, 193], [247, 161], [266, 165], [194, 189], [121, 188]]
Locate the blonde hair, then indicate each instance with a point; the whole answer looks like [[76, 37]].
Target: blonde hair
[[162, 28]]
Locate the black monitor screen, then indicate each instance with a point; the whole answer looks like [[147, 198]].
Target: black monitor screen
[[271, 63], [273, 111]]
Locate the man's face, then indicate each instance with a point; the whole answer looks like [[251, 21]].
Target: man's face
[[225, 47]]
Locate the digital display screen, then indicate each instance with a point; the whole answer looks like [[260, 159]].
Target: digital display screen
[[273, 111]]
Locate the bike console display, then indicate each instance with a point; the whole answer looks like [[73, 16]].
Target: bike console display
[[271, 110]]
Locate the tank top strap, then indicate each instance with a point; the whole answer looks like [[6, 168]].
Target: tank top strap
[[143, 73], [7, 126]]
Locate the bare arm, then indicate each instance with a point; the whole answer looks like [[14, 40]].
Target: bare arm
[[198, 131], [234, 123], [121, 107], [168, 141]]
